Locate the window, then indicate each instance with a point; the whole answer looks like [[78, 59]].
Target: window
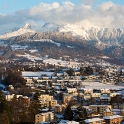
[[98, 109]]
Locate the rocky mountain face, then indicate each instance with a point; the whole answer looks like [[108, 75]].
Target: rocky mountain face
[[108, 40], [56, 44], [90, 40]]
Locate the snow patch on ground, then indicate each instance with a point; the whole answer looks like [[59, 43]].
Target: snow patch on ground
[[30, 57], [36, 74], [32, 51], [18, 47], [70, 46], [59, 62], [97, 85], [47, 40], [105, 57]]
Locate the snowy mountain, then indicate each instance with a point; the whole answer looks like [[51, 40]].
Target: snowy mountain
[[108, 36], [26, 29], [108, 40]]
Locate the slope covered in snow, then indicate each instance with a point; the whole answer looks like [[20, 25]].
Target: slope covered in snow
[[25, 29], [109, 40], [109, 36]]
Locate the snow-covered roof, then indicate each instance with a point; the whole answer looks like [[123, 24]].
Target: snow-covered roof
[[108, 110], [93, 120], [112, 117], [100, 105], [72, 122], [98, 85], [36, 74], [68, 122], [72, 89]]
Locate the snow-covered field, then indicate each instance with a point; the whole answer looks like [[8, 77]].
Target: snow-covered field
[[70, 46], [17, 47], [30, 57], [62, 63], [33, 50], [36, 74], [47, 40], [97, 85]]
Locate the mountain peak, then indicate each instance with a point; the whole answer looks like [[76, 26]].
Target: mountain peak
[[27, 26], [26, 29], [50, 26]]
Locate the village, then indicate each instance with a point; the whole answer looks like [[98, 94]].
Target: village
[[84, 95]]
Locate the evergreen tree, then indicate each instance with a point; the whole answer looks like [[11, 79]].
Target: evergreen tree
[[68, 114], [33, 110], [14, 78], [70, 72], [5, 116], [88, 70], [36, 96], [81, 114]]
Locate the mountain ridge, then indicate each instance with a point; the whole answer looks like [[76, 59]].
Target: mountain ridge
[[108, 40], [26, 29]]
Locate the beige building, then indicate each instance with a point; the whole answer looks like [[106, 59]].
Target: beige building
[[88, 91], [46, 97], [44, 117], [115, 119], [47, 101], [108, 112], [59, 108], [105, 91], [91, 78], [67, 98], [96, 95], [11, 87], [29, 82], [44, 103], [86, 96], [51, 103], [72, 90], [24, 100], [9, 97], [100, 108]]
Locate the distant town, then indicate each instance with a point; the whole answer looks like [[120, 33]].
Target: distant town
[[61, 93]]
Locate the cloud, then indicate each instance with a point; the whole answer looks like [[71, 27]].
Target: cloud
[[107, 14], [87, 1]]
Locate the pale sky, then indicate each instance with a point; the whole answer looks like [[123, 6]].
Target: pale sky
[[103, 13]]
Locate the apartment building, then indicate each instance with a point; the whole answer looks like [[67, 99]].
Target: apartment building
[[44, 117], [115, 119], [100, 108]]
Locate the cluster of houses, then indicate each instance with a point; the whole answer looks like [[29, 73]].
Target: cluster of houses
[[101, 114], [63, 88], [52, 111]]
